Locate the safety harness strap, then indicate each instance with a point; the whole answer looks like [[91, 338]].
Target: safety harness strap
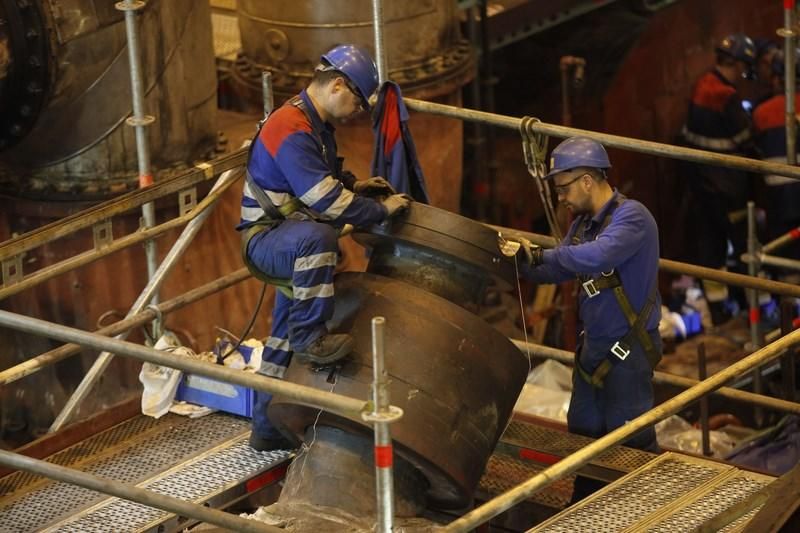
[[281, 284], [620, 350]]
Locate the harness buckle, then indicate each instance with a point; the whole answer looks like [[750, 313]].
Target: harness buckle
[[621, 350], [590, 288]]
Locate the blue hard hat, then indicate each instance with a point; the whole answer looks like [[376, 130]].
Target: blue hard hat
[[779, 63], [578, 152], [357, 65], [739, 46]]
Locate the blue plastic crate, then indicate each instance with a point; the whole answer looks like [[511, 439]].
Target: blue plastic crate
[[200, 390]]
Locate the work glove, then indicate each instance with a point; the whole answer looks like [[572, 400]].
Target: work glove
[[375, 186], [529, 253], [396, 203]]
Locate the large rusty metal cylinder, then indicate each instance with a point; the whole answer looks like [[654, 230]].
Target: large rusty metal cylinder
[[455, 377], [425, 55], [66, 92]]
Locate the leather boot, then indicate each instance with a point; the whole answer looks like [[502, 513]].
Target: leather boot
[[326, 349]]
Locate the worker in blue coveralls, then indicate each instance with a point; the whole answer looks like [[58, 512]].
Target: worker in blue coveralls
[[612, 249], [296, 199]]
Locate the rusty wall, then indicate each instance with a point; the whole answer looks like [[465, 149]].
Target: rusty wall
[[649, 95]]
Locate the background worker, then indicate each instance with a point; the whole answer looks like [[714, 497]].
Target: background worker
[[612, 248], [295, 201], [783, 194], [718, 122]]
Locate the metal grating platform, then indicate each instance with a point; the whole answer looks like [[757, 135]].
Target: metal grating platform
[[194, 459], [524, 435], [672, 493], [525, 449]]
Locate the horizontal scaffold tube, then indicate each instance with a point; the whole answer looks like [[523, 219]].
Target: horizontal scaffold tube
[[664, 378], [572, 462], [613, 141], [310, 396], [728, 278], [55, 355]]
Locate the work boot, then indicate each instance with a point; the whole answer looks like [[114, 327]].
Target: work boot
[[326, 349], [260, 444]]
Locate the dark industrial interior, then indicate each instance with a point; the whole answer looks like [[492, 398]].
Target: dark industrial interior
[[141, 335]]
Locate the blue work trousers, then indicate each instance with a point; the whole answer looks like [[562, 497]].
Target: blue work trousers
[[305, 252], [627, 393]]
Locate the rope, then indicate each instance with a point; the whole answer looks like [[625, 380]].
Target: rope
[[534, 148]]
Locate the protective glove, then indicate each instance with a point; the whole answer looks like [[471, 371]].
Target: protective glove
[[375, 186], [531, 254], [396, 203]]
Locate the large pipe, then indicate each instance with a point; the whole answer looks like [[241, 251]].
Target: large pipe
[[140, 121], [55, 355], [614, 141], [144, 299], [170, 504], [304, 395], [576, 460], [729, 278], [664, 378]]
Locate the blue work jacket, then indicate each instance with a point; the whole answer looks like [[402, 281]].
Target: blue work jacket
[[628, 244]]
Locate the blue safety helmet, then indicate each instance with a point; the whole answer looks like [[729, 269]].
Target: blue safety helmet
[[739, 46], [578, 152], [357, 65], [779, 63]]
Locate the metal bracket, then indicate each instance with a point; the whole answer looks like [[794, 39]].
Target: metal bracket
[[12, 270], [187, 200], [620, 350], [129, 6], [392, 415], [143, 121], [590, 289], [102, 234]]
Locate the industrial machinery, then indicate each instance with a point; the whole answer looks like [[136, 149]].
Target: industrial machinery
[[455, 377]]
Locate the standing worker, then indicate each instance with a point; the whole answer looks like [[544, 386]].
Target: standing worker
[[718, 122], [295, 202], [783, 194], [612, 249]]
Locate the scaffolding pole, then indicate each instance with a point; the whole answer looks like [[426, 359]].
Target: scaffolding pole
[[608, 140], [728, 278], [35, 364], [175, 253], [149, 498], [665, 378], [139, 121], [336, 403], [571, 463]]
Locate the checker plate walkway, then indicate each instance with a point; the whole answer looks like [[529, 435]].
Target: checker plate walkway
[[205, 460]]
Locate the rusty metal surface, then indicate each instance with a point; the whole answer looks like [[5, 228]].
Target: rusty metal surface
[[119, 205], [287, 38], [336, 470], [455, 377], [70, 152], [452, 256]]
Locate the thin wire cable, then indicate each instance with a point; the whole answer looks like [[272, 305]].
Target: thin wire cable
[[306, 448], [522, 314]]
